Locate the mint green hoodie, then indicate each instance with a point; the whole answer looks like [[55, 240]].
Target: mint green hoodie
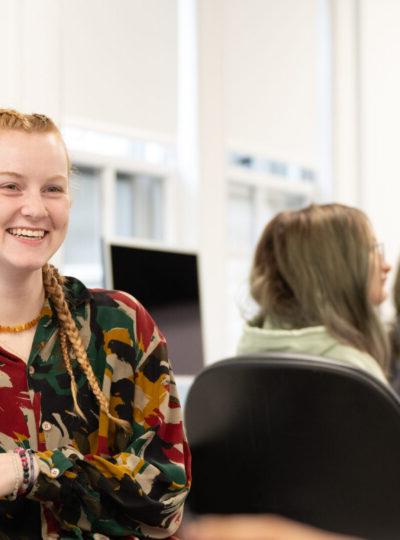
[[314, 340]]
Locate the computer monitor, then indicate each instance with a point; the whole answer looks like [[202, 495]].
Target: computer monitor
[[166, 282]]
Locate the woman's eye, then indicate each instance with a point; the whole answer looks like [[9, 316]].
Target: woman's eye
[[11, 187], [54, 189]]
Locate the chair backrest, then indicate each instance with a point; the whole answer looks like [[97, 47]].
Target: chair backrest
[[299, 436]]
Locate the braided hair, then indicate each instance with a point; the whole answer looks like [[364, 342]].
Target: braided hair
[[70, 340]]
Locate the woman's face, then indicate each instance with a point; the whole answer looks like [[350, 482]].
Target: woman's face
[[379, 269], [34, 198]]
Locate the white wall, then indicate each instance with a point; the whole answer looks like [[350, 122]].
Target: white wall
[[270, 75], [119, 62], [30, 54], [99, 61]]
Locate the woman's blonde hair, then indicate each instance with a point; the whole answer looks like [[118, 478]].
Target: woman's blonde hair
[[70, 340], [312, 267], [31, 123]]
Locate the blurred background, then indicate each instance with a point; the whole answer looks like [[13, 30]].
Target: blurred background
[[191, 122]]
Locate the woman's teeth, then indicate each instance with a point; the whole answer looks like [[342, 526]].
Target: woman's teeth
[[27, 233]]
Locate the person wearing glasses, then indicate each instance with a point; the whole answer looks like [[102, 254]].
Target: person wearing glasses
[[91, 438], [394, 335], [318, 275]]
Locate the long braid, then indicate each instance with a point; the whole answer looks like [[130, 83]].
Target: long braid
[[67, 362], [53, 285]]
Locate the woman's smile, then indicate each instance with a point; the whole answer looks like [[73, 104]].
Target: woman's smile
[[23, 232], [34, 199]]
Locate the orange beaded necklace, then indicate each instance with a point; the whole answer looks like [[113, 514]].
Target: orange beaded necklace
[[20, 327]]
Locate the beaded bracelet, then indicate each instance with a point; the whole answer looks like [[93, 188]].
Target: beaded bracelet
[[32, 469], [27, 469]]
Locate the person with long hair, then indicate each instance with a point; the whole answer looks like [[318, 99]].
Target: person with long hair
[[91, 437], [394, 335], [318, 275]]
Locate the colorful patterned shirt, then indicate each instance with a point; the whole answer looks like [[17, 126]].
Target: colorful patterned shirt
[[95, 481]]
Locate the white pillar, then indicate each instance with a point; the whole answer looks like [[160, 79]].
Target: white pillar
[[186, 203], [201, 158], [346, 102], [324, 76], [213, 197]]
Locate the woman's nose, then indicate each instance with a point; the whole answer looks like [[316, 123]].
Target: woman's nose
[[33, 206], [386, 267]]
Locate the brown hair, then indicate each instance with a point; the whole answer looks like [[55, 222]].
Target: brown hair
[[70, 340], [312, 267], [394, 332], [396, 291]]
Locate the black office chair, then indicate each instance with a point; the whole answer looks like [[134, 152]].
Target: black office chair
[[298, 436]]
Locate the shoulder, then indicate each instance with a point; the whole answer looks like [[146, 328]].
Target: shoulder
[[110, 309], [314, 340], [355, 358], [77, 294]]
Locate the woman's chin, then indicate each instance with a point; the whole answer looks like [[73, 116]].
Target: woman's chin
[[378, 298], [23, 267]]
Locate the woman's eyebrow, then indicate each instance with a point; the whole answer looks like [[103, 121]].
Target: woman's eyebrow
[[11, 173], [18, 175], [57, 177]]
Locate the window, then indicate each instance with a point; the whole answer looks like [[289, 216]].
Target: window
[[82, 247], [241, 222], [119, 188], [139, 206]]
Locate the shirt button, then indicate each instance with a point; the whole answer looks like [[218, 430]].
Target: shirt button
[[46, 426], [54, 472], [31, 370]]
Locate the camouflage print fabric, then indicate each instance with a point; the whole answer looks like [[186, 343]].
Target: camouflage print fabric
[[95, 481]]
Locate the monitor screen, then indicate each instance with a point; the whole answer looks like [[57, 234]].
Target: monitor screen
[[167, 284]]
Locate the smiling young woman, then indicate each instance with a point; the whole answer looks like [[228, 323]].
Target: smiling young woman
[[91, 438], [34, 198]]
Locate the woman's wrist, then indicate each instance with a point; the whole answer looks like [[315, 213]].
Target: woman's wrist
[[17, 468], [26, 470]]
